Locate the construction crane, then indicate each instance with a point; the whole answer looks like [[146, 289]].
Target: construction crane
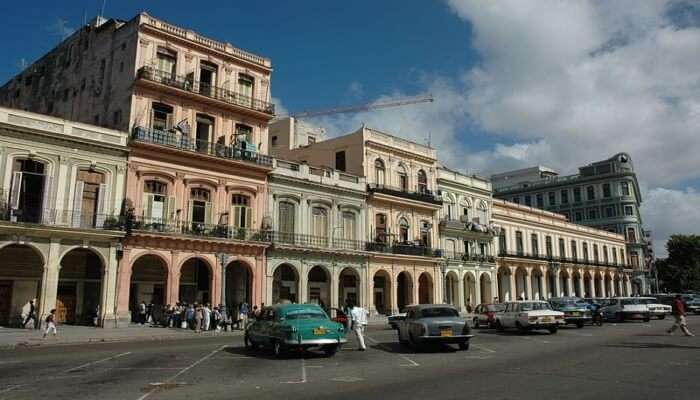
[[387, 103]]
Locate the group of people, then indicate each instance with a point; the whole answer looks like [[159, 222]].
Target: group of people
[[196, 316]]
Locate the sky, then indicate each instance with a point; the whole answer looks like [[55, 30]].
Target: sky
[[516, 83]]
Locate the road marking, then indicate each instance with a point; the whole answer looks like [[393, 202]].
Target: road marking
[[581, 334], [10, 388], [478, 357], [348, 379], [411, 363], [484, 349], [303, 373], [96, 362], [182, 371]]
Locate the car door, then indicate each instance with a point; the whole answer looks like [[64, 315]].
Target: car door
[[405, 324], [508, 319]]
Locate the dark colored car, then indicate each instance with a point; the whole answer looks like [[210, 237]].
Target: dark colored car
[[396, 318], [485, 315], [576, 311]]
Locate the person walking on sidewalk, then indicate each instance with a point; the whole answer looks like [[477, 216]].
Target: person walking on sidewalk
[[51, 323], [206, 313], [142, 313], [198, 317], [359, 320], [31, 316], [243, 315], [678, 309]]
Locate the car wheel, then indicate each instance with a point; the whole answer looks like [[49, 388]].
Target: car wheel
[[620, 317], [476, 323], [553, 330], [464, 345], [579, 324], [402, 342], [662, 316], [249, 344], [646, 319], [278, 349], [413, 343], [521, 328], [330, 350], [499, 326]]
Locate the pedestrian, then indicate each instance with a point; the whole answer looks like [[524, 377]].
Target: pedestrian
[[51, 323], [678, 310], [31, 315], [189, 316], [359, 320], [149, 312], [216, 316], [142, 313], [198, 317], [243, 315], [206, 313], [96, 316]]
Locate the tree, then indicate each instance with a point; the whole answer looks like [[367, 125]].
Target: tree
[[681, 270]]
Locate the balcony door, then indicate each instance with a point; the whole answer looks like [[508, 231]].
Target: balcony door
[[207, 78], [246, 85], [200, 209], [157, 206], [89, 201], [166, 63], [319, 225], [29, 191], [161, 117], [380, 228], [286, 222], [205, 129]]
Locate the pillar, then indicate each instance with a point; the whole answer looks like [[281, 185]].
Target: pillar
[[335, 288], [581, 288], [591, 289], [394, 293], [513, 285], [49, 281], [477, 291], [108, 317], [545, 284], [570, 284], [628, 284], [461, 299], [557, 284], [303, 294], [528, 284]]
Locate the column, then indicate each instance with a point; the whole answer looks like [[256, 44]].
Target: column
[[122, 290], [557, 284], [461, 299], [477, 291], [109, 292], [528, 284], [334, 289], [513, 287], [628, 284], [581, 289], [394, 293], [591, 284], [570, 284], [545, 284], [223, 263], [49, 281], [303, 294]]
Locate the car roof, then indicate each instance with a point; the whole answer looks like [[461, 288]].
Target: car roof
[[424, 306], [294, 306], [526, 301]]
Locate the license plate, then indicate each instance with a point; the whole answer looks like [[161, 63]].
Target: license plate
[[547, 319], [446, 332], [319, 331]]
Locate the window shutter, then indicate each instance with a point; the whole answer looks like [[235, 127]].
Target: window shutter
[[170, 211], [77, 203], [207, 213], [235, 217], [169, 121], [102, 198], [190, 209], [45, 201], [16, 190], [248, 217], [147, 207]]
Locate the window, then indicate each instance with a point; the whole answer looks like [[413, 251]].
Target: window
[[95, 119], [631, 235], [422, 182], [246, 85], [540, 200], [207, 77], [535, 245], [562, 248], [349, 225], [403, 178], [310, 140], [481, 214], [161, 117], [595, 253], [622, 256], [200, 207], [28, 187], [614, 255], [243, 133], [204, 132], [467, 246], [380, 228], [605, 254], [609, 212], [590, 193], [117, 117], [483, 249], [379, 172], [585, 251], [166, 62], [286, 221], [519, 243], [564, 196], [552, 198], [156, 205], [592, 213], [516, 200], [577, 195], [241, 212], [425, 233], [548, 246], [528, 200], [634, 260], [274, 140], [629, 211], [578, 216], [606, 190], [502, 245], [567, 215], [625, 188], [574, 250], [319, 222], [403, 230], [340, 160], [89, 202]]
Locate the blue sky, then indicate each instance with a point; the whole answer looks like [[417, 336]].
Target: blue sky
[[516, 82]]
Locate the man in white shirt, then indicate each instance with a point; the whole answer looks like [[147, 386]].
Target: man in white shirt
[[359, 321]]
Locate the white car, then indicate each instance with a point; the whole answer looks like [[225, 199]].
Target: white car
[[626, 308], [529, 315], [656, 309]]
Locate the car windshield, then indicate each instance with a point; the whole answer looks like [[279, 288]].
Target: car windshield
[[648, 301], [534, 306], [306, 314], [494, 307], [629, 302], [438, 312]]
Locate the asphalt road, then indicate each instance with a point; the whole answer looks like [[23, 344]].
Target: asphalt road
[[618, 361]]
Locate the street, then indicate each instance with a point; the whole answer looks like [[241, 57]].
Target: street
[[632, 360]]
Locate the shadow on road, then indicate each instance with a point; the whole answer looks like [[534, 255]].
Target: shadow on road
[[496, 332], [394, 347], [266, 353], [629, 345]]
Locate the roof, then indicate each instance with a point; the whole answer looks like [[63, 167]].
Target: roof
[[424, 306]]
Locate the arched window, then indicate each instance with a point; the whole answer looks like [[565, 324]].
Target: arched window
[[482, 213], [319, 222], [241, 211], [466, 210], [403, 178], [379, 172], [404, 229], [156, 207], [200, 207], [422, 182]]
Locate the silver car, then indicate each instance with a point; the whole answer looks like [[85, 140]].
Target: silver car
[[433, 323]]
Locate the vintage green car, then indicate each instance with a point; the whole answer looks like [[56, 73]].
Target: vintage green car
[[284, 327]]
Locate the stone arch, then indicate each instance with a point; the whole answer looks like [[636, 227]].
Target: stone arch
[[349, 286], [564, 281], [21, 278], [148, 281], [577, 282], [196, 284], [452, 289], [80, 286], [537, 284], [318, 285], [505, 292], [425, 288], [285, 283], [521, 277], [485, 286], [404, 289], [240, 276], [382, 298], [587, 281]]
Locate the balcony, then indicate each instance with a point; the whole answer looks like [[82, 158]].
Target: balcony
[[408, 249], [64, 219], [175, 140], [543, 257], [186, 84], [424, 196], [316, 242], [476, 258], [196, 229], [463, 224]]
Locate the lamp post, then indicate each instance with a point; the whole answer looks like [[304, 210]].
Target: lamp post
[[222, 258]]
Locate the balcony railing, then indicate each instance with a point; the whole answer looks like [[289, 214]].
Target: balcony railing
[[199, 229], [187, 84], [403, 249], [544, 257], [478, 258], [425, 196], [176, 140], [319, 242], [63, 219]]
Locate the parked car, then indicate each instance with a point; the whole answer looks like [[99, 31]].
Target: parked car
[[575, 310], [527, 315], [485, 314], [656, 309], [433, 323], [396, 318], [626, 308], [692, 303], [299, 326], [339, 316]]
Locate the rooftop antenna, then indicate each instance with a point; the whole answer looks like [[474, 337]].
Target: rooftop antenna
[[102, 10]]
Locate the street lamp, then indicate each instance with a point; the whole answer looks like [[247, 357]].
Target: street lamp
[[222, 258]]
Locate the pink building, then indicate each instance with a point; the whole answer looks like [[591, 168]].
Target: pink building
[[198, 113]]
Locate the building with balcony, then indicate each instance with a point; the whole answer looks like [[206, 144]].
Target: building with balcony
[[61, 190], [317, 221], [542, 255], [604, 195], [197, 111], [466, 237], [402, 205]]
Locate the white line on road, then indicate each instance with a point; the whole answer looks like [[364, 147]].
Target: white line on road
[[96, 362], [182, 371], [411, 363], [484, 349], [303, 372], [10, 388], [581, 334]]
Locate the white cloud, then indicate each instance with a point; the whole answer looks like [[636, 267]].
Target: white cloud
[[671, 211]]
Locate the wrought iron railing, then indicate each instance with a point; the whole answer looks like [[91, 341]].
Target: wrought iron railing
[[194, 228], [455, 256], [78, 219], [173, 139], [568, 260], [425, 195], [403, 248], [314, 241], [188, 84]]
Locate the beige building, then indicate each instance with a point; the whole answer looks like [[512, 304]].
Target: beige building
[[542, 255], [402, 206], [61, 189]]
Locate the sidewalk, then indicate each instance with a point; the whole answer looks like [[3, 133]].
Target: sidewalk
[[68, 334]]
